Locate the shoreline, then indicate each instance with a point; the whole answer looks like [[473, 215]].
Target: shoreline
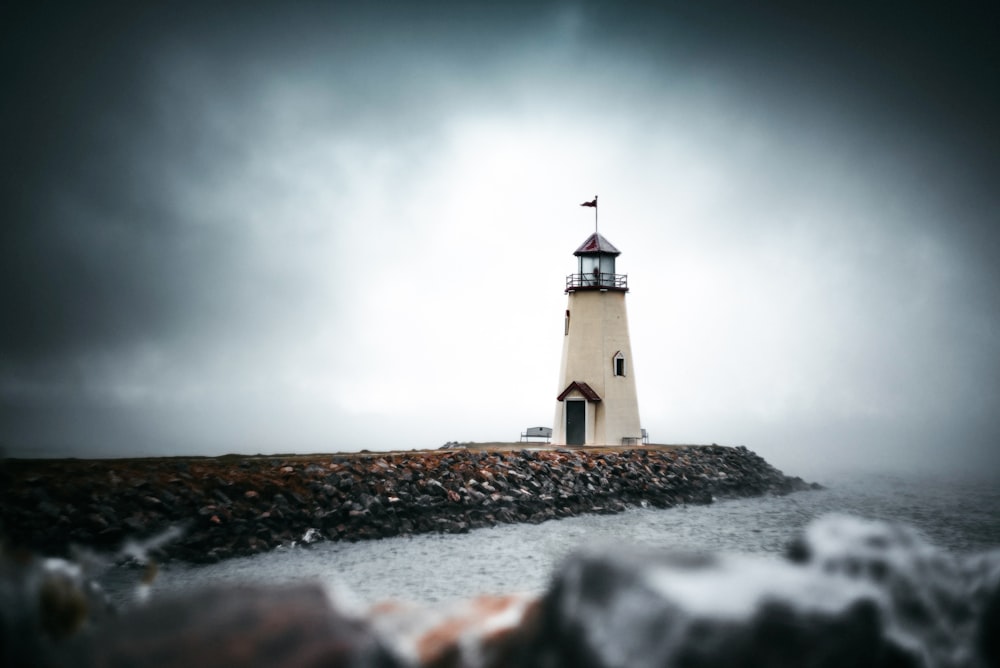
[[239, 505]]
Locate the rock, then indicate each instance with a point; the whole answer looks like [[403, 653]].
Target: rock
[[50, 509], [851, 593], [988, 636], [485, 631], [134, 523], [246, 626]]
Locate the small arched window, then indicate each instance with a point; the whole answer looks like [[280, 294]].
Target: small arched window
[[618, 364]]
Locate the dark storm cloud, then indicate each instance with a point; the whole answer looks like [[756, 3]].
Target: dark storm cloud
[[919, 73], [100, 249], [94, 255]]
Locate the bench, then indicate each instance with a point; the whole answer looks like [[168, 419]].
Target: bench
[[537, 432], [636, 440]]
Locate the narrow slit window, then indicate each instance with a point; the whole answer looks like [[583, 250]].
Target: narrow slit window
[[619, 364]]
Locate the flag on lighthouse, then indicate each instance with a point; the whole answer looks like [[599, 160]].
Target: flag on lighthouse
[[592, 202]]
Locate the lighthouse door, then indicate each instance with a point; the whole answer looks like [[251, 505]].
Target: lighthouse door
[[576, 422]]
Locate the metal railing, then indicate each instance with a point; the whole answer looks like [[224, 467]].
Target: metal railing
[[596, 281]]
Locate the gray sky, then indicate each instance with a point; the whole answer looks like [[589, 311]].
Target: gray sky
[[329, 228]]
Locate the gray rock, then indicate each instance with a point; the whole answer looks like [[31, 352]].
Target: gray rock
[[851, 593]]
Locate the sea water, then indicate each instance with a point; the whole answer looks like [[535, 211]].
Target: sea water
[[961, 516]]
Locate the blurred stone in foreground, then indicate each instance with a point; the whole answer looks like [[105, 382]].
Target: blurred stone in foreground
[[850, 593], [292, 627], [483, 631]]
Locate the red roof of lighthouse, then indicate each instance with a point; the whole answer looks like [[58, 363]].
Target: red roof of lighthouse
[[586, 390], [596, 244]]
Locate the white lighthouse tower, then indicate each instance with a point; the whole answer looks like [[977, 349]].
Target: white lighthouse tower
[[597, 402]]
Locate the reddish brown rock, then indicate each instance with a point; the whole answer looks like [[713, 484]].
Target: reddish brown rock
[[482, 632]]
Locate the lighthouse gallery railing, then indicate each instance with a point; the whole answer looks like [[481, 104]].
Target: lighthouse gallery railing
[[596, 280]]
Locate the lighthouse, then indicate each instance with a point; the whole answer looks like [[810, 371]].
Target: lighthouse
[[597, 403]]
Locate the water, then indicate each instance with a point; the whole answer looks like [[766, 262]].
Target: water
[[960, 516]]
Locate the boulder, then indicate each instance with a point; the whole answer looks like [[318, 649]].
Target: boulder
[[245, 626], [849, 593]]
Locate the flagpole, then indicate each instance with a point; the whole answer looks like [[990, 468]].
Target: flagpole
[[593, 203]]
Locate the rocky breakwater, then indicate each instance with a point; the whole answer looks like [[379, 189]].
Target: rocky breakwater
[[215, 508]]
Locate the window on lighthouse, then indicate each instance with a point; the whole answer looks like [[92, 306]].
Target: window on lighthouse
[[590, 269], [619, 364]]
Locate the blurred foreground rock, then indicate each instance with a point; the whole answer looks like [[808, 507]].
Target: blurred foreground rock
[[294, 627], [849, 593]]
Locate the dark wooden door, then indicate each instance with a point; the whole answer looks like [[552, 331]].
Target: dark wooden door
[[576, 422]]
